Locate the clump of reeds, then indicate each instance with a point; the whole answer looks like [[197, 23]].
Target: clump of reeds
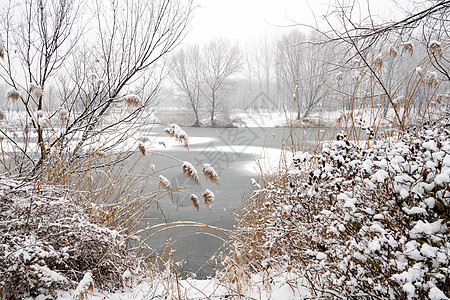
[[2, 51], [36, 90], [431, 79], [308, 219], [63, 114], [210, 173], [179, 134], [143, 139], [13, 95], [133, 100], [209, 197], [99, 83], [190, 171], [2, 115], [378, 61]]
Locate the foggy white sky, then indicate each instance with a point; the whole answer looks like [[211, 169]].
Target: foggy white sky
[[244, 19]]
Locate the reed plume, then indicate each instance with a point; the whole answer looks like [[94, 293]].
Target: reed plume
[[165, 183], [36, 90], [141, 148], [210, 173], [133, 100], [190, 171], [63, 115], [408, 47], [13, 95], [195, 201], [209, 197], [436, 48], [179, 134]]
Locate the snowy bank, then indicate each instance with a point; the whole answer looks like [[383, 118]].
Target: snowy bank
[[358, 221], [49, 241]]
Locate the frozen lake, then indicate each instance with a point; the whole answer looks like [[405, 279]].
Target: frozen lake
[[233, 153]]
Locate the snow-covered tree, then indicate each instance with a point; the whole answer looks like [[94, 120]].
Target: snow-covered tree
[[96, 55], [187, 66], [222, 60]]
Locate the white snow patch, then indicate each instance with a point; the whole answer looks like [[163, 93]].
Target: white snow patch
[[436, 294], [427, 228], [380, 176]]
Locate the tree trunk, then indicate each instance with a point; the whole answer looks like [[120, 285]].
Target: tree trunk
[[197, 120], [213, 103]]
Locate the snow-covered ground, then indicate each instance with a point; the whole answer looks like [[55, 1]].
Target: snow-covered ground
[[282, 286], [369, 117]]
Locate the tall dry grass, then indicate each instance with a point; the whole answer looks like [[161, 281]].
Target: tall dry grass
[[116, 187]]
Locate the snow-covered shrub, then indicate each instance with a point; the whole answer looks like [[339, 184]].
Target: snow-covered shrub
[[359, 221], [47, 242]]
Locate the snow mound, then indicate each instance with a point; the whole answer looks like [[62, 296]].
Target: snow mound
[[49, 242]]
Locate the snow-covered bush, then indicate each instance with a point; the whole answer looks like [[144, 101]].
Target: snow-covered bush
[[48, 243], [359, 221]]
